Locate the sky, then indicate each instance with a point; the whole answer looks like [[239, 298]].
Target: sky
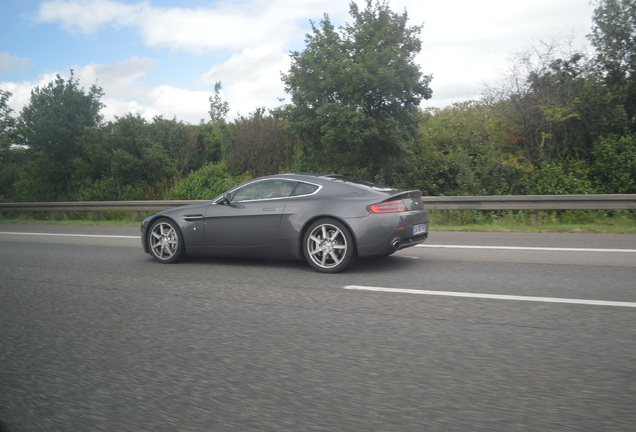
[[163, 57]]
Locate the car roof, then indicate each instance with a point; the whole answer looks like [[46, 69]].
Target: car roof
[[336, 181]]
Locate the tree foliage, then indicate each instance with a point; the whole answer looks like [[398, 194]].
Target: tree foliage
[[9, 158], [50, 127], [259, 145], [57, 115], [614, 37], [614, 166], [7, 121], [355, 91], [205, 183], [540, 109], [218, 107]]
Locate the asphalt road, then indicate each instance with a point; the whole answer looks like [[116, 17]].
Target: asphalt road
[[517, 332]]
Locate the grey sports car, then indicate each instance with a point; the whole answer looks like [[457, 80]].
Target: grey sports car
[[328, 220]]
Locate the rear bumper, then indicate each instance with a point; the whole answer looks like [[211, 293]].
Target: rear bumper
[[381, 235], [412, 241]]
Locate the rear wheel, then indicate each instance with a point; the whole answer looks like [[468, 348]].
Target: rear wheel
[[165, 241], [328, 246]]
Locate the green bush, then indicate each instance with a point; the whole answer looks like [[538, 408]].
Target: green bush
[[559, 179], [206, 183], [614, 166], [108, 189]]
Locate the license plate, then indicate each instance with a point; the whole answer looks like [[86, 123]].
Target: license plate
[[419, 229]]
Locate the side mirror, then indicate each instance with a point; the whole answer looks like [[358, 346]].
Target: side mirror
[[227, 198]]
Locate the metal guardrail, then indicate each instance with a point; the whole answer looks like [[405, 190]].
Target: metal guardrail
[[493, 202], [95, 205], [533, 202]]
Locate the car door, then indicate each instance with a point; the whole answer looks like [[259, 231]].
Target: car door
[[250, 220]]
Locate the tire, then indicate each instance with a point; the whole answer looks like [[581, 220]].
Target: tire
[[329, 246], [165, 241]]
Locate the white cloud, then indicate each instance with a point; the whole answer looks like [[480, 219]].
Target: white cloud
[[251, 78], [125, 92], [122, 84], [122, 79], [225, 26], [191, 106], [247, 65], [204, 30], [121, 107], [10, 63], [124, 88], [468, 45], [88, 17]]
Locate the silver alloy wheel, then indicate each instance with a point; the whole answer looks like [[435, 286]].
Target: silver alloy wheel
[[164, 241], [327, 246]]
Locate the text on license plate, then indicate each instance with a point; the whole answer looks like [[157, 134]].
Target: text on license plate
[[420, 228]]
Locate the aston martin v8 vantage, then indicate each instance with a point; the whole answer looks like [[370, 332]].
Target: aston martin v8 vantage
[[327, 220]]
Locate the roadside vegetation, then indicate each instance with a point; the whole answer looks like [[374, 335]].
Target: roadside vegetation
[[562, 122]]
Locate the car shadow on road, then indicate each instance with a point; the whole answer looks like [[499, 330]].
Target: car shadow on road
[[361, 266], [245, 262]]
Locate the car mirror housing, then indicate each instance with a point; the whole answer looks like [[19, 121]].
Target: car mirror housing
[[227, 198]]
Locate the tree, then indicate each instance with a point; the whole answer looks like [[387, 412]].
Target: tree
[[259, 145], [614, 37], [550, 107], [179, 140], [218, 107], [211, 139], [8, 154], [7, 126], [50, 126], [355, 92], [614, 167], [57, 116], [7, 122], [205, 183], [459, 152], [138, 155]]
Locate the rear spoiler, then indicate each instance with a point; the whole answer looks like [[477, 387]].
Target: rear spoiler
[[412, 194]]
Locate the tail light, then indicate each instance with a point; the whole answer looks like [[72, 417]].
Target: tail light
[[387, 207]]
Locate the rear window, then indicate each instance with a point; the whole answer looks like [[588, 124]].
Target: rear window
[[304, 189], [358, 182]]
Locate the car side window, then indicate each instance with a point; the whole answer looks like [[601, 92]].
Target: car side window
[[304, 189], [264, 190]]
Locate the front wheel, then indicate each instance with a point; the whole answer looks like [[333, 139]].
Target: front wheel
[[165, 240], [328, 246]]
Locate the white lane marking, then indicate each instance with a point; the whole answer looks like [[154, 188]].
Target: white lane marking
[[494, 296], [70, 235], [524, 248]]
